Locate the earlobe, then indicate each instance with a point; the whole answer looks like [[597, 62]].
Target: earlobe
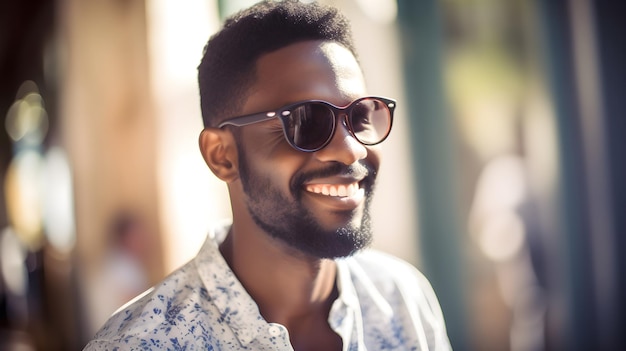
[[219, 152]]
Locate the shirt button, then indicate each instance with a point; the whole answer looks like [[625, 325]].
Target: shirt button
[[275, 330]]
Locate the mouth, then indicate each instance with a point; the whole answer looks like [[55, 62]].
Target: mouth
[[338, 188], [339, 195], [335, 190]]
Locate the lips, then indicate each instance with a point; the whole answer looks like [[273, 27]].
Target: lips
[[338, 187], [336, 193]]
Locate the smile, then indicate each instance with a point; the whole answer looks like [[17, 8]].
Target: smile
[[338, 190], [340, 197]]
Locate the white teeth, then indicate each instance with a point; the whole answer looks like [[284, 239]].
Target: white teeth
[[341, 190], [325, 190]]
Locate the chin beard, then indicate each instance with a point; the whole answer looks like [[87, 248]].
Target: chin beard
[[287, 221], [304, 234]]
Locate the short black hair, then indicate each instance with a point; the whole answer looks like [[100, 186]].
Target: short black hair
[[228, 65]]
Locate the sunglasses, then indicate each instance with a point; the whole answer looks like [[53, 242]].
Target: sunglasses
[[310, 125]]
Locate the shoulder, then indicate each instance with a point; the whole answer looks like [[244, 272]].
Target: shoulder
[[156, 318], [373, 271], [395, 300]]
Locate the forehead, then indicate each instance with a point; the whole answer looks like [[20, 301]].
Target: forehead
[[306, 70]]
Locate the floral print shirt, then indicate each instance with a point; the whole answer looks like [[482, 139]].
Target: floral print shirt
[[384, 304]]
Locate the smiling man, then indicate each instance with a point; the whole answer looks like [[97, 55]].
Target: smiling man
[[291, 129]]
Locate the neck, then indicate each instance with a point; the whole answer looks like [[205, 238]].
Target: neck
[[290, 288]]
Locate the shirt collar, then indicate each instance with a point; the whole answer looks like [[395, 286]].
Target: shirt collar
[[347, 292], [237, 309]]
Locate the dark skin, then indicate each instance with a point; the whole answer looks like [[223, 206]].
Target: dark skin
[[290, 287]]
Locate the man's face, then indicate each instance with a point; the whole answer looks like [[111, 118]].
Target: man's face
[[317, 203]]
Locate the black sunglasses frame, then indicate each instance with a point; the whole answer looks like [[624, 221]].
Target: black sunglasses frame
[[284, 112]]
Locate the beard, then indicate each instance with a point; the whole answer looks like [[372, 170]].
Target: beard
[[286, 219]]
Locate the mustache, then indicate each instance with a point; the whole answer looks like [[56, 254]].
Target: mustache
[[360, 170]]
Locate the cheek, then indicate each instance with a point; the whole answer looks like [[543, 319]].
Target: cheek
[[374, 156], [272, 158]]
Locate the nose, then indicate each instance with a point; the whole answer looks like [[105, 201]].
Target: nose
[[343, 147]]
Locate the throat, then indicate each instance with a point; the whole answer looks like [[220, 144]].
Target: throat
[[296, 295], [311, 331]]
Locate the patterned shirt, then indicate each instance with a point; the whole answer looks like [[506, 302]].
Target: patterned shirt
[[384, 304]]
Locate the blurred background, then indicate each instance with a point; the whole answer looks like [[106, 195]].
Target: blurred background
[[503, 179]]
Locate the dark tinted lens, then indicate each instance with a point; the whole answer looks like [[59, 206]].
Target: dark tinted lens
[[309, 125], [371, 121]]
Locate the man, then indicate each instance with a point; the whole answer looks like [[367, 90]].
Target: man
[[290, 128]]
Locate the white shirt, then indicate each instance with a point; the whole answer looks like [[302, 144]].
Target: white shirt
[[384, 303]]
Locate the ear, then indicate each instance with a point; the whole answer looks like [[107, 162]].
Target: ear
[[219, 151]]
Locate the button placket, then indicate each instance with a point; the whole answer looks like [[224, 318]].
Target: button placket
[[275, 330]]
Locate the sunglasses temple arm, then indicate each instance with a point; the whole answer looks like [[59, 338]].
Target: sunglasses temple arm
[[249, 119]]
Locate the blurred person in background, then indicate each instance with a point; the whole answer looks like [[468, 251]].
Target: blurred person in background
[[292, 131], [123, 274]]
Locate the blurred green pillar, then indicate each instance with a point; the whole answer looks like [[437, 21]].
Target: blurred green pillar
[[579, 327], [433, 150], [584, 56]]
